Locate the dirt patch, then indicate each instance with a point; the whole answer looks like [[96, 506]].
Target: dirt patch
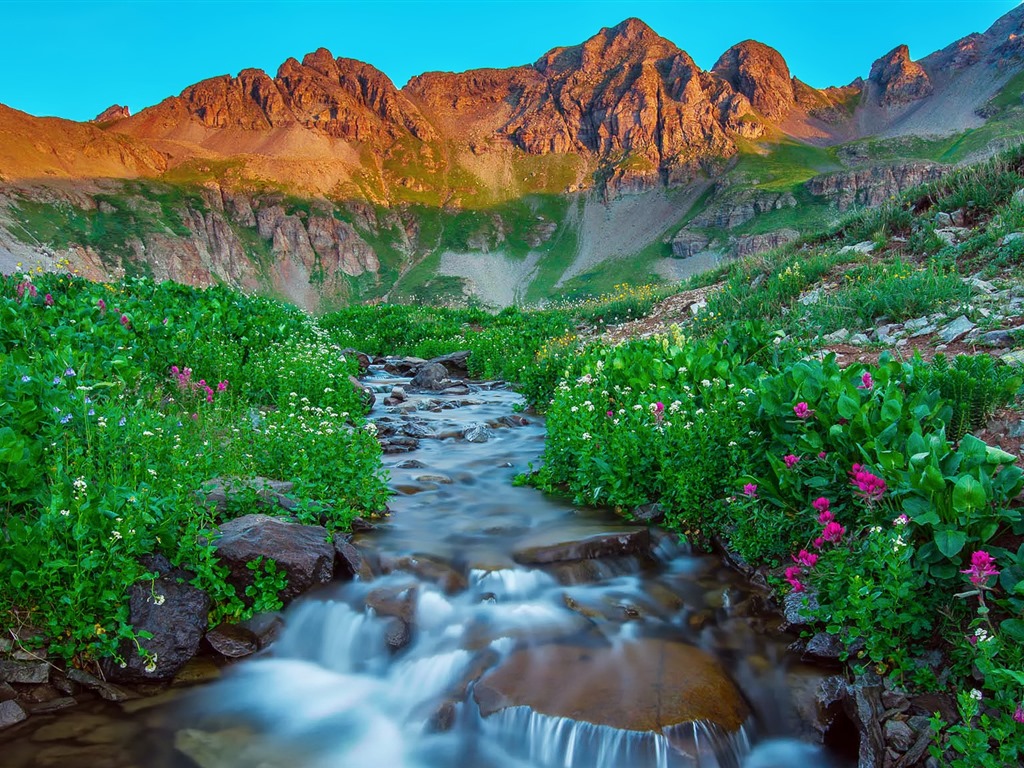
[[666, 313]]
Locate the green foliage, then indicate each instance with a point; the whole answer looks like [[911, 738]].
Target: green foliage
[[119, 403]]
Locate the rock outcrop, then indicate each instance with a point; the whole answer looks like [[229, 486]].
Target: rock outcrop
[[112, 113], [873, 186], [900, 80], [761, 74], [739, 208]]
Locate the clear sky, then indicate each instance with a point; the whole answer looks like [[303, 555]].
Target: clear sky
[[75, 58]]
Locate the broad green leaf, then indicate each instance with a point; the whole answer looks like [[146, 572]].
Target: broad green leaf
[[950, 541], [968, 494], [1015, 629]]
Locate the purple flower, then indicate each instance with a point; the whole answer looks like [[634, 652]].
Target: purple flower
[[866, 382], [48, 300], [802, 411], [793, 574], [750, 489], [805, 558], [1018, 713], [56, 380], [25, 379], [983, 566], [65, 418], [821, 504], [869, 486], [791, 460], [833, 532], [122, 422], [69, 372]]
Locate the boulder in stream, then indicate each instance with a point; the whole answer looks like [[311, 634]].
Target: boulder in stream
[[431, 377], [552, 548], [648, 685], [303, 552]]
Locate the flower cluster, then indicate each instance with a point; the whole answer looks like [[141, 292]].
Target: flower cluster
[[870, 487], [183, 379], [983, 567]]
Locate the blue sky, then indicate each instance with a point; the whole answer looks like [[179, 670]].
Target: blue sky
[[73, 59]]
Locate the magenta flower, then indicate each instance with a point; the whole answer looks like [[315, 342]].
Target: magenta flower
[[222, 386], [609, 414], [750, 489], [983, 566], [791, 460], [102, 305], [866, 382], [869, 486], [793, 574], [821, 504], [819, 543], [802, 411], [901, 520], [125, 322], [1018, 713], [48, 300], [822, 455], [833, 532], [805, 558], [826, 517]]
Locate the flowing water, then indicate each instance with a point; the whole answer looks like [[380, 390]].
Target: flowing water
[[502, 629]]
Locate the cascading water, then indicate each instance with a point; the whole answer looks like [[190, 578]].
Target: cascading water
[[504, 629]]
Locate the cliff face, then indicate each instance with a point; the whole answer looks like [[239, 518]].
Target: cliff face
[[873, 186], [899, 79]]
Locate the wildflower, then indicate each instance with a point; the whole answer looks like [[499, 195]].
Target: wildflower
[[901, 520], [822, 455], [56, 380], [69, 372], [25, 379], [982, 568], [805, 558], [66, 418], [791, 460], [222, 385], [866, 382], [792, 576], [821, 504], [1018, 713], [869, 486], [826, 517], [122, 422], [48, 300], [833, 532], [65, 512], [371, 428], [609, 414], [975, 694], [151, 665], [102, 306], [586, 435], [801, 411], [750, 489], [159, 599], [125, 321], [116, 535]]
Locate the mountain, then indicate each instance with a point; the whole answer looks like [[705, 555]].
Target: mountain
[[327, 183]]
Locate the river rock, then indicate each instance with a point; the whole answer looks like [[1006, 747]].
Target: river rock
[[175, 613], [24, 672], [429, 569], [366, 395], [651, 514], [106, 690], [303, 552], [361, 358], [410, 464], [403, 366], [349, 563], [397, 634], [431, 377], [232, 641], [11, 713], [668, 684], [268, 493], [456, 363], [7, 692], [397, 396], [548, 548], [863, 705], [476, 433]]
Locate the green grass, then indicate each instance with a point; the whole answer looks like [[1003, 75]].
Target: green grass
[[782, 166]]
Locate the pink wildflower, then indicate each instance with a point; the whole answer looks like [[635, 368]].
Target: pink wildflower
[[983, 566], [869, 486], [222, 386], [793, 574], [826, 517], [866, 382], [48, 300], [819, 543], [1018, 713], [821, 503], [901, 520], [833, 532], [125, 322], [805, 558], [802, 411], [822, 455], [750, 489], [791, 460], [609, 414], [103, 306]]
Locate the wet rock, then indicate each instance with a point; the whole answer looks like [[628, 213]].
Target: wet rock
[[399, 444], [823, 647], [443, 718], [301, 551], [361, 358], [898, 735], [201, 669], [175, 614], [24, 672], [220, 492], [440, 479], [456, 363], [514, 420], [477, 433], [398, 395], [625, 542], [864, 707], [232, 641], [429, 569], [418, 430], [410, 464], [399, 602], [366, 395], [397, 634], [349, 562], [403, 366], [105, 690], [797, 608], [7, 692], [455, 390], [360, 525], [955, 329], [52, 705], [651, 514], [668, 684], [431, 377], [11, 713], [266, 627]]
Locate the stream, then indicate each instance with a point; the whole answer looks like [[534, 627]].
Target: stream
[[502, 628]]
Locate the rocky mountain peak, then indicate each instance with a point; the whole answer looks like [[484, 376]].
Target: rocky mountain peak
[[900, 80], [629, 41], [112, 113], [761, 74]]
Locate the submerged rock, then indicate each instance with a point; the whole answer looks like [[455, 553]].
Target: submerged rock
[[667, 684], [616, 543]]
